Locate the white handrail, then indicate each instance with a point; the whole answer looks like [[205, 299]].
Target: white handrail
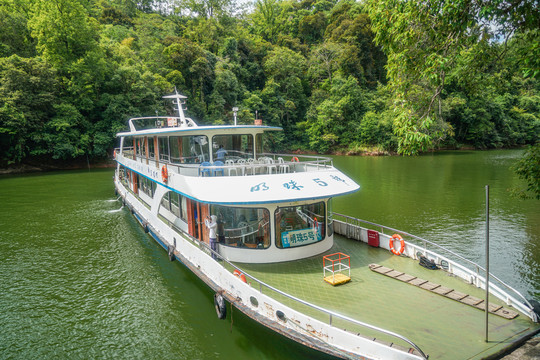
[[531, 313]]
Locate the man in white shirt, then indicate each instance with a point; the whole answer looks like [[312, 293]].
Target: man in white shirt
[[212, 227]]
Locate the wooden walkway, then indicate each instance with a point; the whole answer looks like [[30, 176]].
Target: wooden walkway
[[444, 291]]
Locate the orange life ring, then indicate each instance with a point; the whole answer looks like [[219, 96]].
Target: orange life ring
[[164, 173], [240, 275], [294, 159], [114, 154], [402, 246]]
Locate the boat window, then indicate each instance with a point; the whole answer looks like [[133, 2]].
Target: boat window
[[140, 146], [174, 203], [232, 147], [259, 144], [183, 208], [163, 144], [127, 148], [122, 176], [300, 225], [148, 186], [242, 227], [151, 148], [188, 149], [330, 217]]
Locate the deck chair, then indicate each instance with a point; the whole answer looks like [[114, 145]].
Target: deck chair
[[217, 170], [204, 169], [230, 167]]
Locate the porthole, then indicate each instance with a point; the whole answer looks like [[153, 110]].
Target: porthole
[[281, 315], [254, 301]]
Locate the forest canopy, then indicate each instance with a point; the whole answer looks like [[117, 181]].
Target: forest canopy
[[338, 76]]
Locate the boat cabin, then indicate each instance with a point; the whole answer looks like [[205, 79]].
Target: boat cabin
[[269, 207]]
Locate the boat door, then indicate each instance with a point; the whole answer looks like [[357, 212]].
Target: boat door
[[193, 218], [197, 212]]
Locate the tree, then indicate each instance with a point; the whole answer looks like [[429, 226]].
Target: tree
[[528, 169], [270, 18], [425, 42], [15, 36], [334, 115], [206, 8], [324, 61], [63, 30], [284, 88], [28, 92]]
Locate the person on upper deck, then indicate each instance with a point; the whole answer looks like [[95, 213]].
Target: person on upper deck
[[221, 153]]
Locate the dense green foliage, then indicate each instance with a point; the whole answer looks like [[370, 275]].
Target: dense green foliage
[[451, 70], [528, 168], [73, 71]]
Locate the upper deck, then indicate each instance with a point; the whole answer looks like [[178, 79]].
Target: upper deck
[[201, 161]]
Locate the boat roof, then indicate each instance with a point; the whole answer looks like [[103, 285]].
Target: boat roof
[[198, 129]]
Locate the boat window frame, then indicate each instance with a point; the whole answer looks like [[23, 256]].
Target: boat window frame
[[216, 142], [147, 186], [167, 203], [320, 225], [191, 140], [164, 150], [151, 148], [252, 232]]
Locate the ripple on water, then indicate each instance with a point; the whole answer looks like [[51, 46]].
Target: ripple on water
[[80, 286]]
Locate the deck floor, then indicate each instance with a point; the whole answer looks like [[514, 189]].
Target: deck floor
[[441, 327]]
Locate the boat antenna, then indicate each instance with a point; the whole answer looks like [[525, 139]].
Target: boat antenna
[[179, 104], [178, 100]]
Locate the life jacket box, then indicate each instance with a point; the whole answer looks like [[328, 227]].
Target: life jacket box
[[373, 238]]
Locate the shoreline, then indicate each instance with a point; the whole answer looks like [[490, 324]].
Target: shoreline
[[49, 165], [33, 168]]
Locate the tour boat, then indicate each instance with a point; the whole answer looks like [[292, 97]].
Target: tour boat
[[277, 252]]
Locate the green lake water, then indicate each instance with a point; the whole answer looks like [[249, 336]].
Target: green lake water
[[81, 280]]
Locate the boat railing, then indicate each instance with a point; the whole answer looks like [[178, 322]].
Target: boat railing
[[152, 122], [262, 285], [467, 266], [265, 163]]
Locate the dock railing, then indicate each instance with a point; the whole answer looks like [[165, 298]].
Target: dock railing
[[457, 264], [262, 286]]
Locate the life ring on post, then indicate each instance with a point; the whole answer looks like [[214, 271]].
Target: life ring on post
[[402, 244], [294, 159], [240, 275], [164, 173]]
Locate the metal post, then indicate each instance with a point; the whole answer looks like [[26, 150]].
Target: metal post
[[487, 259], [235, 110]]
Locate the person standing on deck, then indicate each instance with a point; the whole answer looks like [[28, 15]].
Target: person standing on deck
[[212, 227]]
